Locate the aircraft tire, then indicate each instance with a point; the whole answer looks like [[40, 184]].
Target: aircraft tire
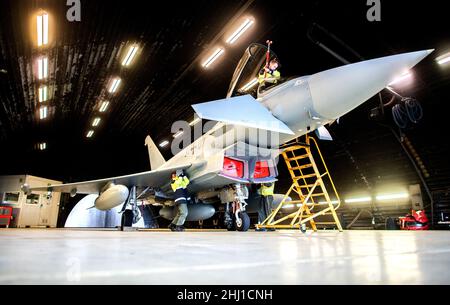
[[245, 222]]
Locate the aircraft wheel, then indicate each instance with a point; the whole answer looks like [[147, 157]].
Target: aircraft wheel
[[303, 228], [243, 222]]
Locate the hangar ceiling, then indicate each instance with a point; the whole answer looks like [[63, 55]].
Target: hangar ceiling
[[167, 78]]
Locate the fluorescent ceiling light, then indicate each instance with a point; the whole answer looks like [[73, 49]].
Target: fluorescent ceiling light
[[96, 122], [289, 206], [43, 112], [213, 58], [130, 56], [43, 146], [402, 78], [392, 196], [241, 30], [104, 106], [90, 134], [42, 29], [164, 144], [114, 85], [43, 94], [250, 85], [43, 68], [359, 200], [326, 203], [444, 59], [178, 134], [195, 121]]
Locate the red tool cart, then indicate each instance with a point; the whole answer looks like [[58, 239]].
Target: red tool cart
[[6, 214]]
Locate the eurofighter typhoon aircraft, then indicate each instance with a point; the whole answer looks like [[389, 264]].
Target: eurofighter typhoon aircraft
[[223, 163]]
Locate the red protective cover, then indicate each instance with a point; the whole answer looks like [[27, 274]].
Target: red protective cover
[[233, 168], [261, 170], [417, 221], [6, 213]]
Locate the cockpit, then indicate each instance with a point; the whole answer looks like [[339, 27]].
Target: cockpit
[[246, 77]]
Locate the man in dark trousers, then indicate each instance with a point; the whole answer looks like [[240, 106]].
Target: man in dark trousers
[[179, 186], [266, 192]]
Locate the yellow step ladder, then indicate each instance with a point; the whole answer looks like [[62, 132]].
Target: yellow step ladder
[[309, 186]]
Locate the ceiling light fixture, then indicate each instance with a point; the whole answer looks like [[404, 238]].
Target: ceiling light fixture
[[219, 52], [42, 29], [43, 112], [114, 85], [43, 68], [90, 134], [164, 144], [96, 122], [359, 200], [444, 59], [104, 106], [43, 94], [393, 196], [43, 146], [195, 122], [326, 203], [178, 134], [289, 206], [130, 56], [241, 30]]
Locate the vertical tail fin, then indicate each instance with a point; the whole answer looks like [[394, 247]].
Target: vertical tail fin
[[156, 158]]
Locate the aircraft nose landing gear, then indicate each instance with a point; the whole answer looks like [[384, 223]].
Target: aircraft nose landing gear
[[236, 220], [235, 216], [242, 221]]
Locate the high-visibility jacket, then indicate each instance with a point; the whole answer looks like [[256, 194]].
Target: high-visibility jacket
[[179, 186], [274, 75], [267, 190], [180, 183]]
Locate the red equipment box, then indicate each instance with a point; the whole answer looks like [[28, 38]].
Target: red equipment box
[[6, 214]]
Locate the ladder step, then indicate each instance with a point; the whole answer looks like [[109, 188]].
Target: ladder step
[[318, 195], [301, 167], [306, 186], [305, 176], [298, 158]]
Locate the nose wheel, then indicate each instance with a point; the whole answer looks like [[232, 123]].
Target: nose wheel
[[242, 221], [237, 221]]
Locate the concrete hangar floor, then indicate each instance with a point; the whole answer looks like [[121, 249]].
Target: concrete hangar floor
[[62, 256]]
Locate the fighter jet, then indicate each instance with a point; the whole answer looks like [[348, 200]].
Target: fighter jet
[[226, 161]]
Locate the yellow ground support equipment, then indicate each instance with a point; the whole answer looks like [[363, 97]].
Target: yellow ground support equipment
[[310, 198]]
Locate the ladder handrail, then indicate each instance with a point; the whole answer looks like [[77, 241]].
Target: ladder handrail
[[327, 171]]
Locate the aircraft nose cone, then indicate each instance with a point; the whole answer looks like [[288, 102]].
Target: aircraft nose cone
[[338, 91]]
